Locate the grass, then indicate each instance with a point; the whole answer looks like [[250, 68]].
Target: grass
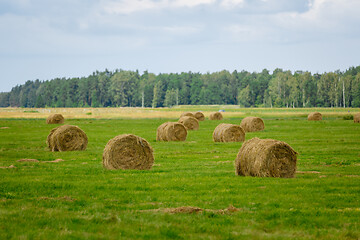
[[78, 199]]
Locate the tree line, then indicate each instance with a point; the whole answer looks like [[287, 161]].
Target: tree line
[[121, 88]]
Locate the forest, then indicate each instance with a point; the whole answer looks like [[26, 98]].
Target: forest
[[122, 88]]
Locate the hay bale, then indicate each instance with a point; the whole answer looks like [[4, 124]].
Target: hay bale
[[315, 116], [190, 123], [266, 158], [357, 118], [216, 116], [187, 114], [128, 151], [225, 132], [252, 124], [67, 138], [199, 116], [55, 119], [171, 131]]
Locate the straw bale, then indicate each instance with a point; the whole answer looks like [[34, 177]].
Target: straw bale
[[199, 116], [266, 158], [67, 138], [55, 119], [128, 151], [190, 123], [171, 131], [357, 118], [252, 124], [315, 116], [216, 116], [188, 114], [225, 132]]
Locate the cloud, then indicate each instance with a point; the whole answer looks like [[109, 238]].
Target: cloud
[[232, 3], [130, 6], [320, 21], [190, 3], [181, 30], [124, 30], [325, 19]]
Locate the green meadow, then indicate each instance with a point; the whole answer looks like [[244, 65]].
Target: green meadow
[[78, 199]]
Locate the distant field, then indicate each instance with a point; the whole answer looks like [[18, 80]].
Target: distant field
[[230, 112], [78, 199]]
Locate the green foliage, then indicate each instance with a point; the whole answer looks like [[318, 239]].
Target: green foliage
[[31, 111], [78, 199], [131, 89], [244, 97], [348, 117], [171, 97]]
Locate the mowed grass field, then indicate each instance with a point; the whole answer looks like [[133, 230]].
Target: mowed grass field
[[79, 199]]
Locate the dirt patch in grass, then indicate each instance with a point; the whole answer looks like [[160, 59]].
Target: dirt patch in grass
[[11, 166], [64, 198], [4, 127], [35, 160], [185, 209], [27, 160], [222, 162], [191, 210], [307, 172], [55, 161]]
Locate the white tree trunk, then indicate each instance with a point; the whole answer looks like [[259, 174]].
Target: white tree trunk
[[142, 99], [344, 94]]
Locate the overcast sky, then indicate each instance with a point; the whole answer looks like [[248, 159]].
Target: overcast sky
[[45, 39]]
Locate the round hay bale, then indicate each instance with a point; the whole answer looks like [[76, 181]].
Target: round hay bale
[[190, 123], [357, 118], [128, 151], [216, 116], [225, 132], [315, 116], [55, 119], [252, 124], [171, 131], [199, 116], [187, 114], [266, 158], [67, 138]]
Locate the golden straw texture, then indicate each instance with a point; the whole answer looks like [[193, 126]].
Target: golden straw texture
[[67, 138], [128, 151], [171, 131], [55, 119], [266, 158], [216, 116], [315, 116], [252, 124], [199, 116], [190, 123], [187, 114], [225, 132], [357, 118]]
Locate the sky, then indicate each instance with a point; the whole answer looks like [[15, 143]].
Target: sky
[[47, 39]]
